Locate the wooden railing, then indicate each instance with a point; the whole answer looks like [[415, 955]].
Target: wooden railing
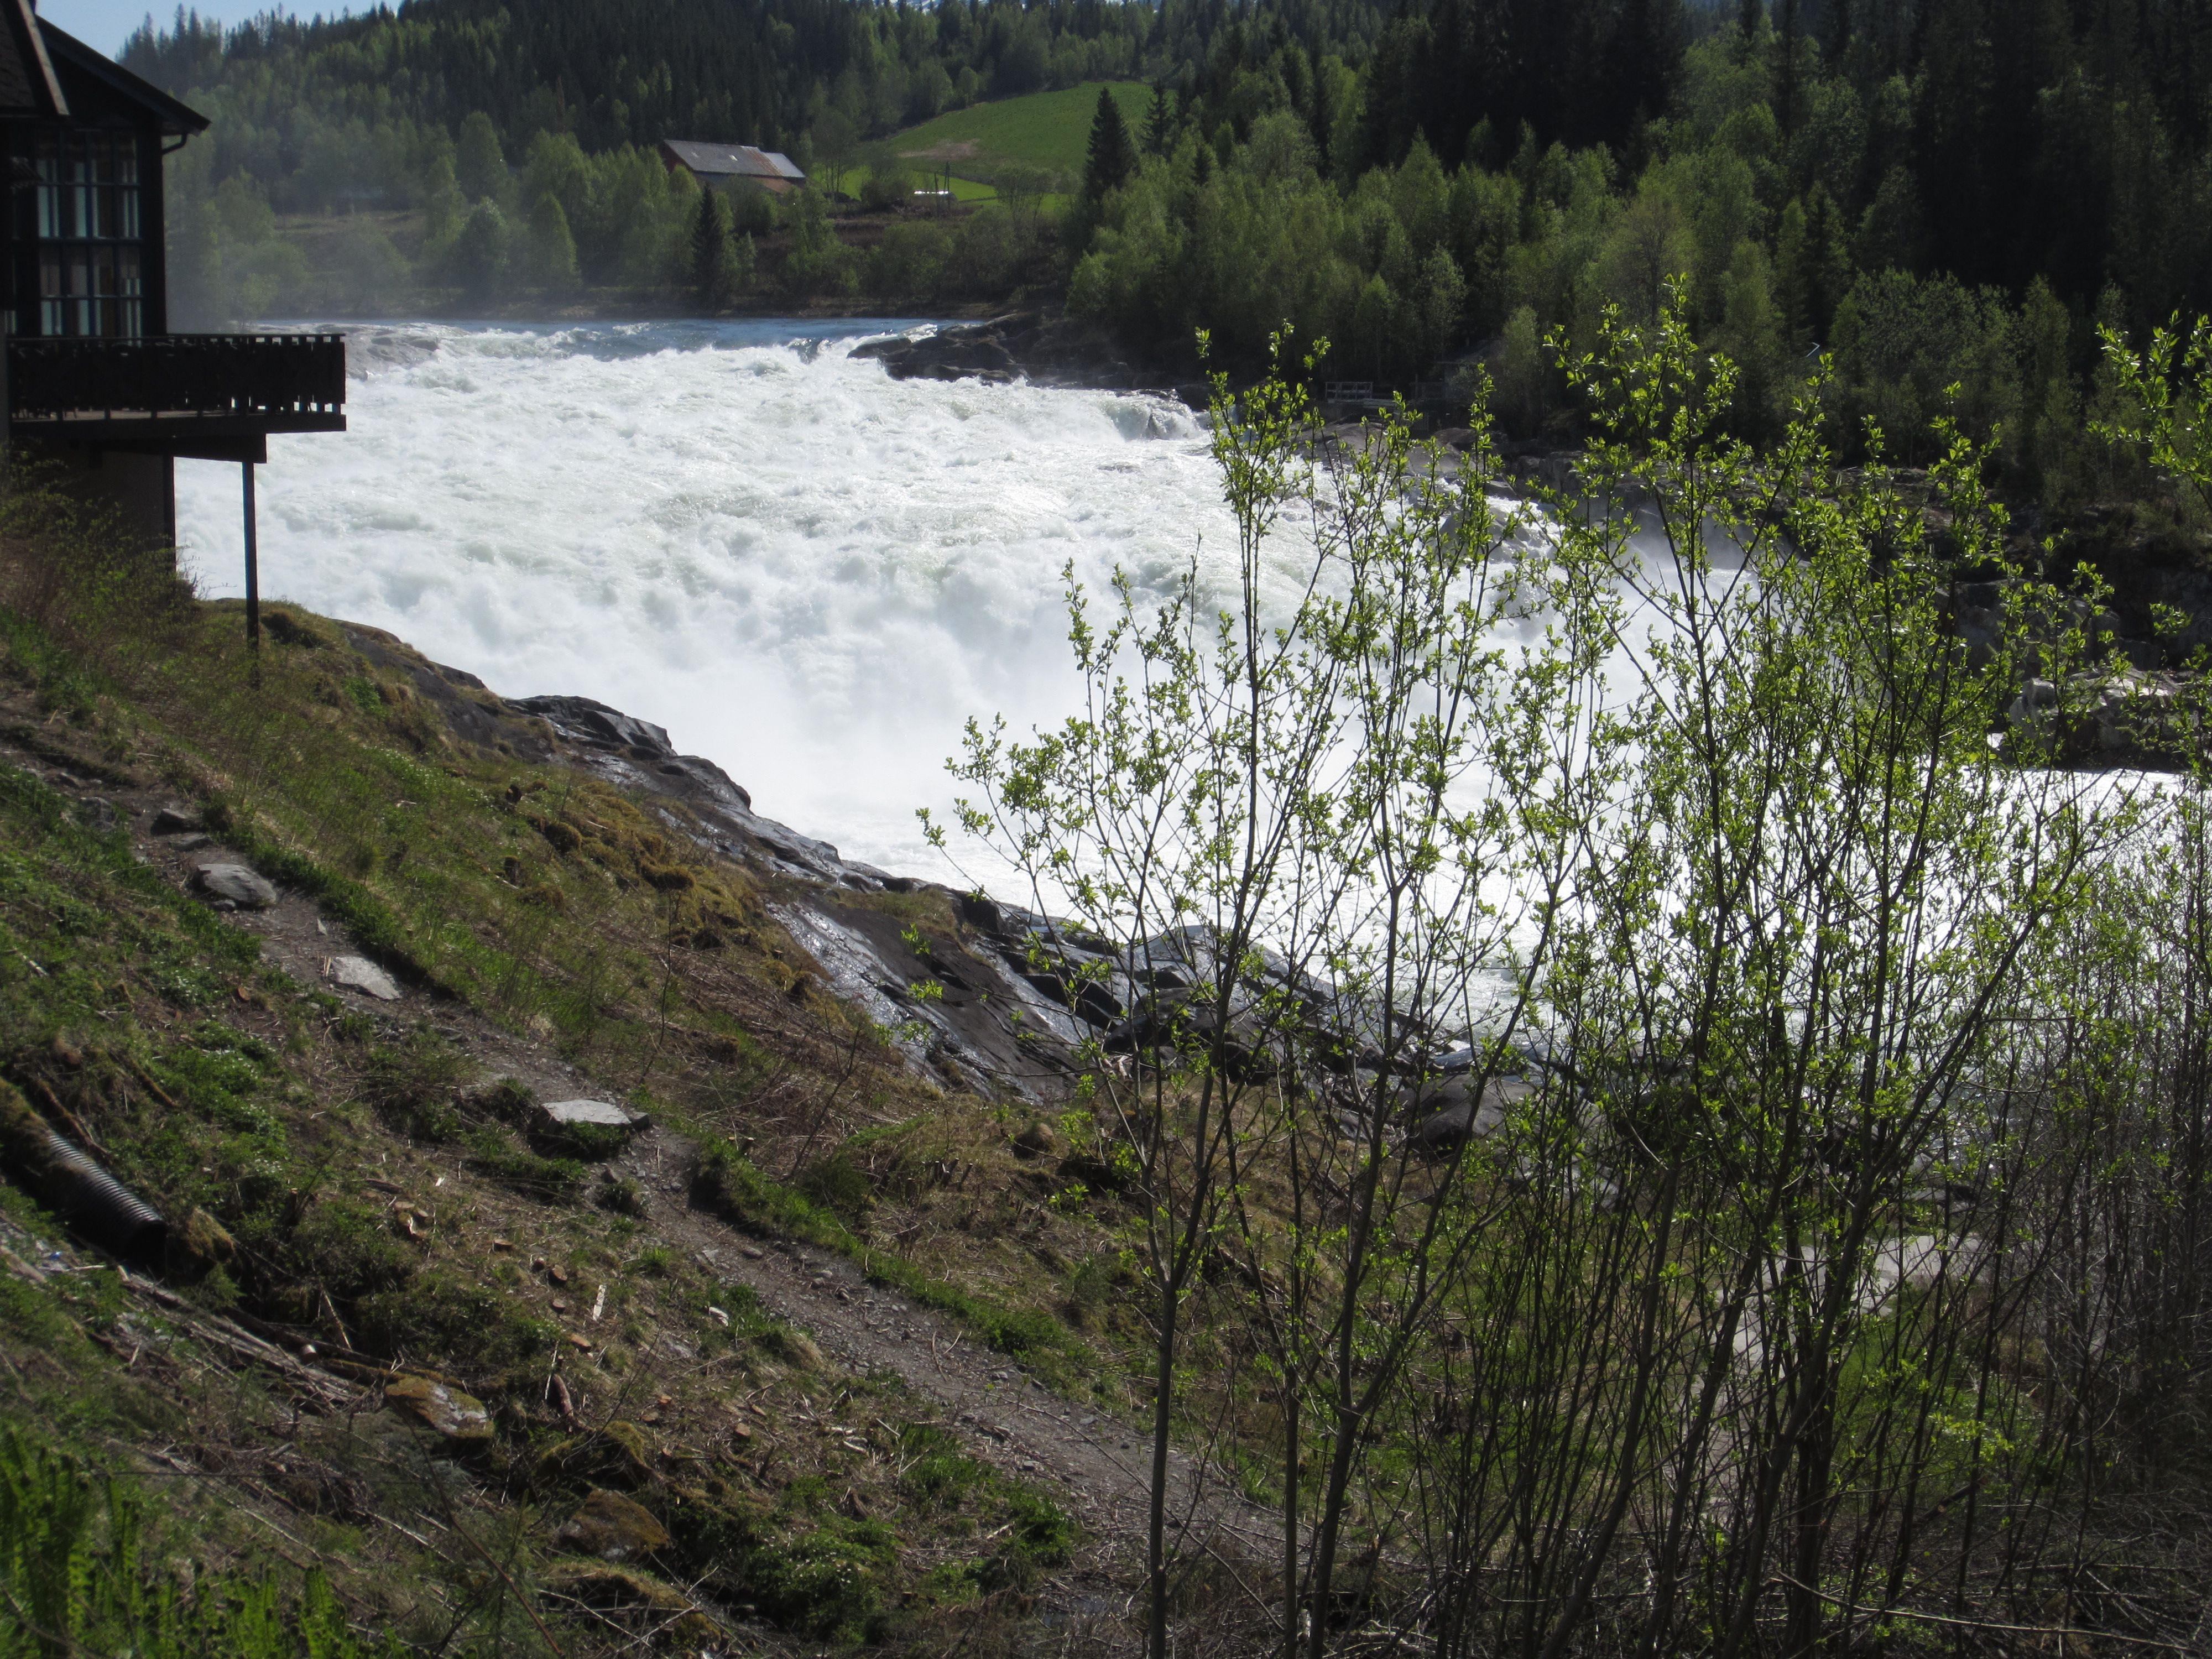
[[261, 382]]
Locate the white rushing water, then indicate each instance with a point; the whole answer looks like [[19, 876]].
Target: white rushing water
[[807, 572]]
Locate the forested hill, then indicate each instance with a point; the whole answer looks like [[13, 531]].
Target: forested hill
[[1997, 140], [775, 72]]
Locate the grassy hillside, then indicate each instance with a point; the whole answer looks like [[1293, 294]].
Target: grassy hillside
[[1046, 130], [439, 1371]]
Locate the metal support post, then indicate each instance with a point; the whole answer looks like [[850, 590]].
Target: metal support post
[[252, 567]]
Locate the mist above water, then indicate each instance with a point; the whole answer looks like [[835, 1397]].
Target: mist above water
[[807, 572]]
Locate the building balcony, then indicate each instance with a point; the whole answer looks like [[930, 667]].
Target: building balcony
[[176, 393]]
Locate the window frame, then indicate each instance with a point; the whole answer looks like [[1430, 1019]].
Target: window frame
[[86, 271]]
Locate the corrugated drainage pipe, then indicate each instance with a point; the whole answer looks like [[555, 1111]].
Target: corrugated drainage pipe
[[98, 1208]]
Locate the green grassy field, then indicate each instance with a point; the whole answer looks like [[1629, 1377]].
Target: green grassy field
[[1046, 130], [963, 190]]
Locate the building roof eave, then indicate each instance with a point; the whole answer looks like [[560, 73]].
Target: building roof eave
[[24, 41], [177, 118]]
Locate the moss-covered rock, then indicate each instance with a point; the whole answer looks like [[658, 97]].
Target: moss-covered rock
[[460, 1417], [617, 1455], [679, 1623], [613, 1527]]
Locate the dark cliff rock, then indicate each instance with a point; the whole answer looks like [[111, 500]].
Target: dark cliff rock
[[1047, 351]]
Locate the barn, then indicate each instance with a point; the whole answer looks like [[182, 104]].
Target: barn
[[722, 165]]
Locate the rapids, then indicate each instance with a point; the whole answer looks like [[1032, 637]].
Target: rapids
[[809, 573]]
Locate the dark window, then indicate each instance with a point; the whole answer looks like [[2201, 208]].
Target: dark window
[[91, 278]]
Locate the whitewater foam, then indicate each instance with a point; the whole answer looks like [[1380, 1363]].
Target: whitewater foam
[[807, 572]]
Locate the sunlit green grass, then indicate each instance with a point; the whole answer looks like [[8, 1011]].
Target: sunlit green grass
[[1048, 130], [920, 178]]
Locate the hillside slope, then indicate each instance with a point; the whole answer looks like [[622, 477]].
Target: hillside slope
[[798, 1352]]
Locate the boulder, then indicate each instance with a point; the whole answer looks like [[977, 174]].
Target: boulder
[[950, 354], [613, 1527], [234, 882], [1062, 352], [2109, 716], [2134, 717], [2035, 697], [1450, 1114], [1039, 1140], [175, 820], [360, 973], [460, 1416]]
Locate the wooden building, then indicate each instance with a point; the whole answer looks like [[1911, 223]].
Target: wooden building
[[94, 377], [720, 165]]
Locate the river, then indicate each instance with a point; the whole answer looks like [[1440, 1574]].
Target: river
[[809, 573]]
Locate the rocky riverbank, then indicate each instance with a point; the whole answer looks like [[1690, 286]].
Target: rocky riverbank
[[1046, 350], [1018, 1004]]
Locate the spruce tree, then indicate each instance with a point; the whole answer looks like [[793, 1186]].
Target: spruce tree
[[1159, 124], [1112, 157], [710, 250], [1788, 43], [1321, 118]]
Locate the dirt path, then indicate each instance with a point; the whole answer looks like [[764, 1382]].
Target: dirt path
[[1097, 1464]]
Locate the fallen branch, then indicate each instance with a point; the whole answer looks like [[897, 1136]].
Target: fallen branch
[[1842, 1606]]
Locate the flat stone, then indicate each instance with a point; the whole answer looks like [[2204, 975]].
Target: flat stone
[[238, 885], [456, 1415], [192, 843], [360, 973], [175, 820], [603, 1113]]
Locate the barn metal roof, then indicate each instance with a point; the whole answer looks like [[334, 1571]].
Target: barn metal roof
[[739, 160]]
